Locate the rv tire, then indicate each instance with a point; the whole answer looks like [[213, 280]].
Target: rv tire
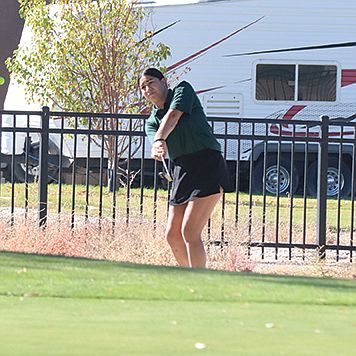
[[272, 176], [32, 173], [332, 177]]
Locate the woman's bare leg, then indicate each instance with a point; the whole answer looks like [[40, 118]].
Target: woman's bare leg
[[174, 234], [184, 227], [195, 217]]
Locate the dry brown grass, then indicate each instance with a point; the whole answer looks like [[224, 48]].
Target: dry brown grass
[[143, 243], [90, 238]]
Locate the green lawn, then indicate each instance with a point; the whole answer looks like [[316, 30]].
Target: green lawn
[[66, 306]]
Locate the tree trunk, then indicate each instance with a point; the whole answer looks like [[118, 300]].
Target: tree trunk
[[11, 25]]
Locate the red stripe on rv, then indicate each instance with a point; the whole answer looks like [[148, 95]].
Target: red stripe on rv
[[287, 116], [348, 77], [206, 90], [196, 54], [286, 133], [293, 111]]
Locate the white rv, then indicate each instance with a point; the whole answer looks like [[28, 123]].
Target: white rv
[[282, 59], [265, 54]]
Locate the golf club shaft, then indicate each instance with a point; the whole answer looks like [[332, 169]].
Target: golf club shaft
[[165, 166]]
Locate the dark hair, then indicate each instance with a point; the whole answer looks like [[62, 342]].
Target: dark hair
[[152, 72]]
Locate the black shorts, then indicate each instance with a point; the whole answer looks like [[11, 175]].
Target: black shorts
[[199, 175]]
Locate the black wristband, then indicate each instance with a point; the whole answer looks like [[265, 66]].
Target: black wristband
[[159, 139]]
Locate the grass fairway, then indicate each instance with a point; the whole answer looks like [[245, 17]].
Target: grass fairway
[[66, 306]]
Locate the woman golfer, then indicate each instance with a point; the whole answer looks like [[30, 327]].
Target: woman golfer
[[178, 126]]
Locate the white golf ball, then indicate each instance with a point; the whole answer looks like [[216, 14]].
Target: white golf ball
[[200, 346]]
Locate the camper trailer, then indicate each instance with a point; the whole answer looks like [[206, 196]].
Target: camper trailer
[[280, 59], [275, 59], [264, 55]]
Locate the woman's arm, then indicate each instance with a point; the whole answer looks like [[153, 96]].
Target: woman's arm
[[168, 123]]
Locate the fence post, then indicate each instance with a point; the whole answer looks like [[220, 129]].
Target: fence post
[[322, 186], [43, 174]]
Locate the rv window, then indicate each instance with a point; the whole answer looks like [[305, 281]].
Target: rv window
[[295, 82], [316, 83], [275, 82]]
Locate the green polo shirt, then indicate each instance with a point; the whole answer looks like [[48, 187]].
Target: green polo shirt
[[193, 132]]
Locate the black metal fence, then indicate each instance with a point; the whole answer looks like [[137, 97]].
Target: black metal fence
[[294, 180]]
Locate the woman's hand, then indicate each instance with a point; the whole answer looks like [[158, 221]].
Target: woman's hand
[[159, 149], [168, 123]]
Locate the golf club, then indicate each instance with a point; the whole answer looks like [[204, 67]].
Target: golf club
[[165, 175]]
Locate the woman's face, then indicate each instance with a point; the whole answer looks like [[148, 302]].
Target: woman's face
[[154, 89]]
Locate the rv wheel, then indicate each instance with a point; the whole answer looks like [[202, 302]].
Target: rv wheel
[[32, 173], [271, 181], [334, 181], [6, 173], [33, 168]]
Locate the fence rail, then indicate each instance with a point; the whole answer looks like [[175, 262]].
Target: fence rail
[[290, 176]]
